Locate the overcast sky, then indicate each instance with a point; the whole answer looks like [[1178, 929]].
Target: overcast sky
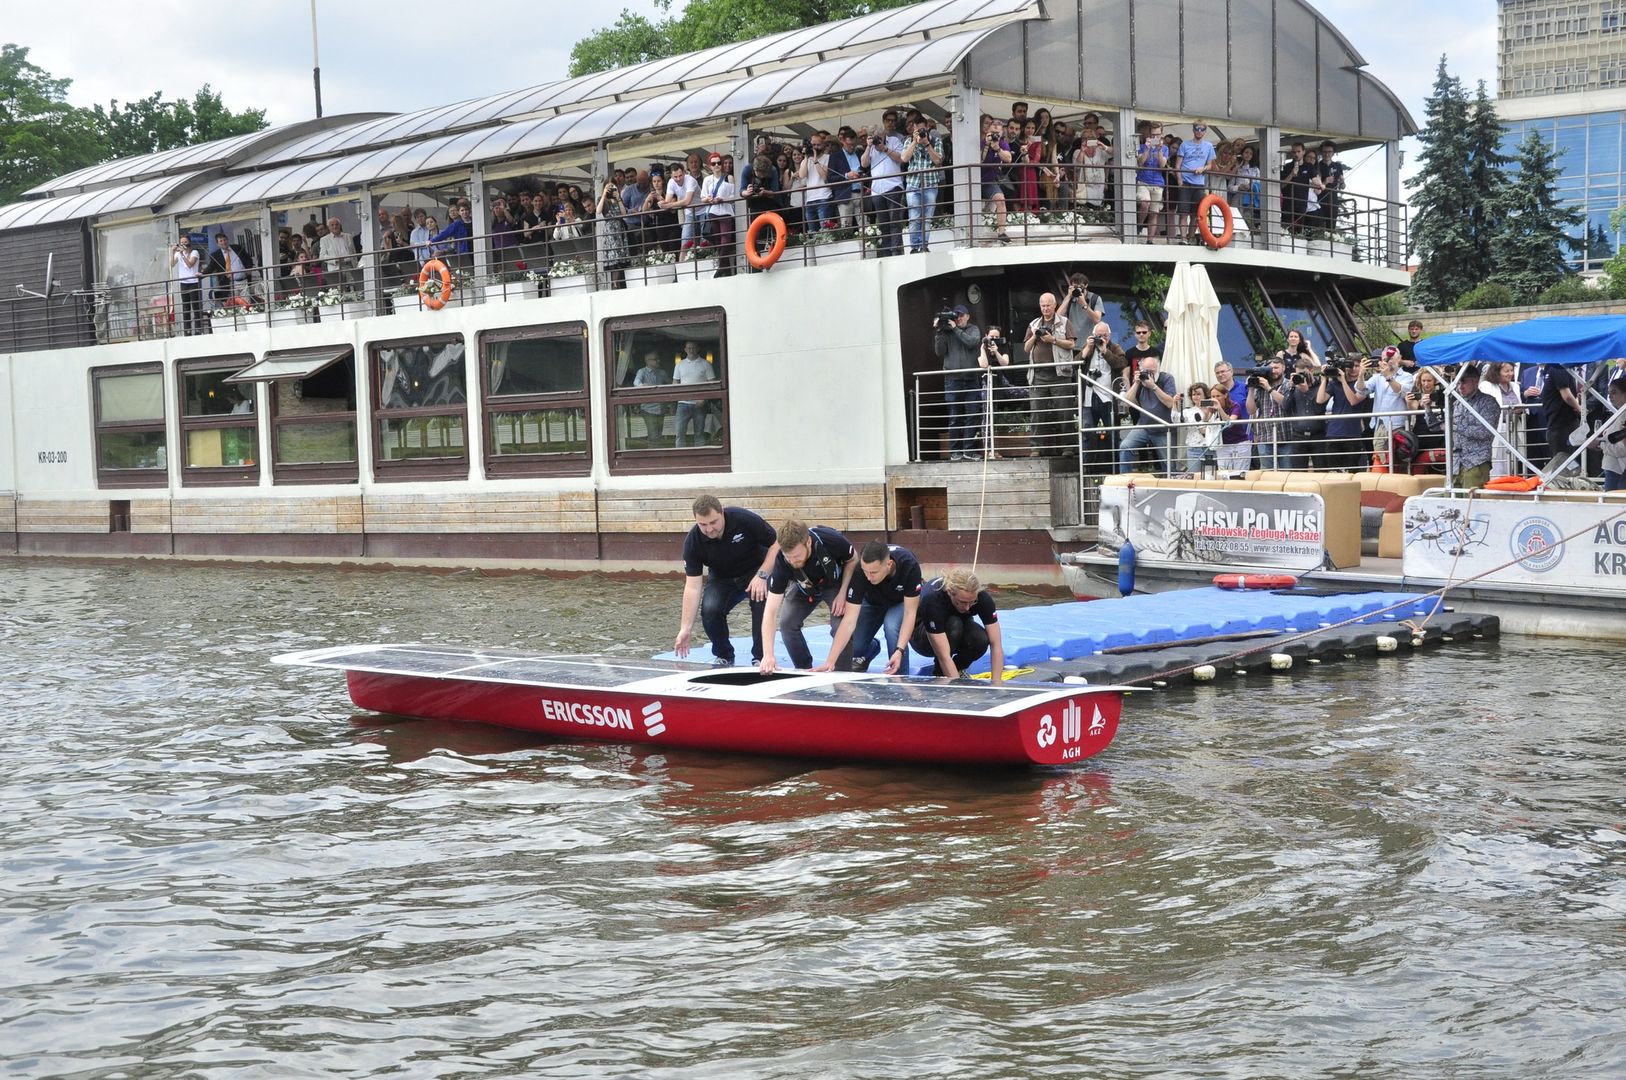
[[381, 57]]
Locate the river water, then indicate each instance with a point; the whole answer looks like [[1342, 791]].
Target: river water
[[213, 867]]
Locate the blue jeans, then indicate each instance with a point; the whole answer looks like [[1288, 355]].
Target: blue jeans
[[964, 398], [1614, 481], [721, 597], [1156, 438], [871, 619], [691, 412], [816, 215], [922, 201]]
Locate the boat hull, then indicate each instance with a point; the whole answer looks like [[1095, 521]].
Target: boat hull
[[1056, 731]]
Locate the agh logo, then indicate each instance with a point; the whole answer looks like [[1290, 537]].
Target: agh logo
[[1072, 723], [1047, 730], [654, 720]]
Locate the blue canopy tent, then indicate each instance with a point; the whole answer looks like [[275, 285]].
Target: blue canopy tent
[[1571, 340], [1556, 339]]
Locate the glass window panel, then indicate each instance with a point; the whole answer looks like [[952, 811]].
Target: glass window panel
[[231, 447], [538, 431], [133, 450], [206, 393], [545, 365], [316, 443], [421, 437], [1233, 335], [131, 397], [417, 376], [1571, 148], [699, 342], [1603, 150], [678, 425]]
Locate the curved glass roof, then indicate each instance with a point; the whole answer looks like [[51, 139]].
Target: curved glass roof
[[145, 193], [184, 158], [865, 71], [884, 30]]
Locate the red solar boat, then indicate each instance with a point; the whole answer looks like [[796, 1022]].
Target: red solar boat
[[677, 703]]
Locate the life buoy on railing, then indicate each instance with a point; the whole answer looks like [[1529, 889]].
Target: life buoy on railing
[[434, 302], [1206, 230], [1255, 581], [1513, 483], [762, 260]]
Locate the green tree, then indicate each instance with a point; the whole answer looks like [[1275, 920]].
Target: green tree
[[634, 38], [1614, 271], [41, 135], [1599, 247], [152, 124], [1530, 236], [1442, 222], [1487, 178]]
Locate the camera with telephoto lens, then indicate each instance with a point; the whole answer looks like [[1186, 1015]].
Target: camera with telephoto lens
[[1300, 379], [1258, 377], [945, 320], [1333, 364]]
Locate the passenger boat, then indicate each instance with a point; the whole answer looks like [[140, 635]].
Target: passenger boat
[[683, 704], [507, 426]]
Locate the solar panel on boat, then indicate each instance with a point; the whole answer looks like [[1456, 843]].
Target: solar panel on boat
[[502, 665], [580, 672], [916, 694]]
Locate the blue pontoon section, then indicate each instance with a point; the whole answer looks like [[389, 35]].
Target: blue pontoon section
[[1074, 629]]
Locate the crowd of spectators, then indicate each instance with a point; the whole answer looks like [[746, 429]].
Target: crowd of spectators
[[1292, 410]]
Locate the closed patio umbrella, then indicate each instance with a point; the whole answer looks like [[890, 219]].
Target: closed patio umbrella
[[1191, 339]]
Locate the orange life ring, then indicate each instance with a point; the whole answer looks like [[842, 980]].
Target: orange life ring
[[1255, 581], [760, 261], [1208, 203], [430, 268]]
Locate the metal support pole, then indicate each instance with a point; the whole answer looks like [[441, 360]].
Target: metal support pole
[[370, 239], [1270, 187], [965, 137], [1127, 144], [481, 226], [1394, 236]]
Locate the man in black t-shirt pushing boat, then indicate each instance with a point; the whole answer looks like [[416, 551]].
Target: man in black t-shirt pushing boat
[[815, 565], [947, 629], [734, 549], [885, 596]]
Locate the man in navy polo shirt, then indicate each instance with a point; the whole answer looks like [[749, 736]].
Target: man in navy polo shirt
[[735, 548], [885, 595], [946, 631], [815, 565]]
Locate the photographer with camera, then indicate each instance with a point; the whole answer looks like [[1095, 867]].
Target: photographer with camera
[[1303, 418], [1267, 393], [183, 259], [958, 341], [1049, 345], [884, 157], [1341, 393], [1388, 390], [1101, 364], [1236, 446], [1153, 398], [996, 153]]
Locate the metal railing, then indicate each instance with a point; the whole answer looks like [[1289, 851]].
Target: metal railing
[[660, 245], [1025, 411]]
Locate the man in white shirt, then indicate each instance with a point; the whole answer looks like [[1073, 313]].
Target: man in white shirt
[[883, 157], [338, 255], [717, 194], [652, 374], [681, 192], [420, 235], [1388, 390], [693, 368]]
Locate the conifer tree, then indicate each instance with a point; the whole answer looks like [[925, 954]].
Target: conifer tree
[[1487, 178], [1442, 235], [1530, 240]]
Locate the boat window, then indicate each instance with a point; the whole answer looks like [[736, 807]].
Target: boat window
[[535, 399], [219, 423], [668, 379], [311, 396], [420, 410], [131, 447]]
